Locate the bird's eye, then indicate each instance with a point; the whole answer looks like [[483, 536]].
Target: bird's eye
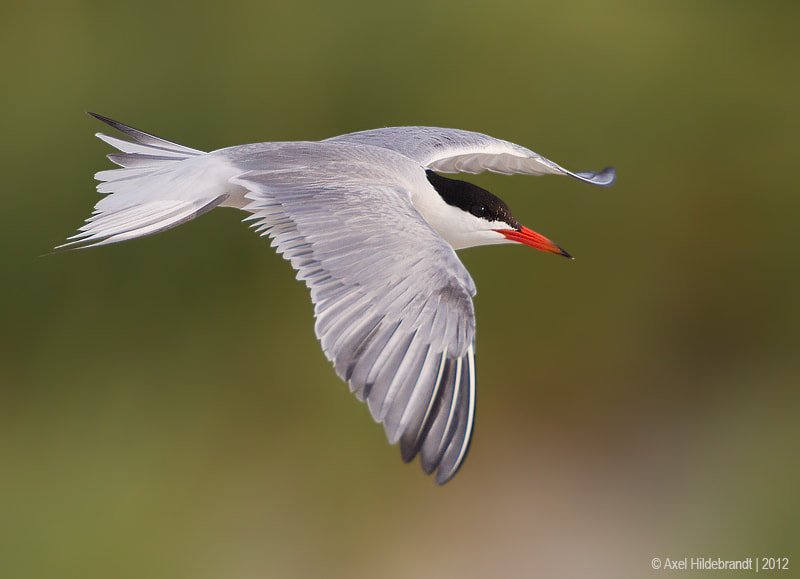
[[478, 210]]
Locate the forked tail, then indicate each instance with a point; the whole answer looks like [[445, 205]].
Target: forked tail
[[161, 184]]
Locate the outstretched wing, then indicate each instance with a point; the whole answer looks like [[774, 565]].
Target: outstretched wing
[[393, 303], [454, 150]]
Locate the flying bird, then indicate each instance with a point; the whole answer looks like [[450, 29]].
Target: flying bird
[[372, 228]]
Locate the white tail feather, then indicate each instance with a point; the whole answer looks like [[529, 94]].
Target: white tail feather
[[161, 185]]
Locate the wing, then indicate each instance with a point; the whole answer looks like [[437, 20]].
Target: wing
[[454, 150], [393, 304]]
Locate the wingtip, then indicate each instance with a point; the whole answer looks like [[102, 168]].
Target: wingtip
[[445, 473], [604, 178]]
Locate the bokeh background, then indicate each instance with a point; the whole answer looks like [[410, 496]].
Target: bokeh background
[[165, 410]]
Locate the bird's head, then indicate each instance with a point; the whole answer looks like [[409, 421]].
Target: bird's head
[[476, 217]]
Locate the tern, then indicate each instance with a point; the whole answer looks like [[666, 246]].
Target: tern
[[372, 228]]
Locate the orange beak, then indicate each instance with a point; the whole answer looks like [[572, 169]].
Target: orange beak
[[536, 241]]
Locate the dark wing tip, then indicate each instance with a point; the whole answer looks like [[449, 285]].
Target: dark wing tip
[[99, 117], [443, 439], [135, 134], [106, 120], [604, 178]]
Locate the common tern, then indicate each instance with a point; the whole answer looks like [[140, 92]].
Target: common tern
[[371, 227]]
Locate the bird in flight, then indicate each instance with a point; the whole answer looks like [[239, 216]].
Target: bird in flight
[[372, 228]]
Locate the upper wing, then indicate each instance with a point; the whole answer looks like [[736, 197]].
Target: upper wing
[[453, 150], [392, 301]]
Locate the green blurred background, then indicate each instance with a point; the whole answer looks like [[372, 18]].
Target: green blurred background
[[165, 410]]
